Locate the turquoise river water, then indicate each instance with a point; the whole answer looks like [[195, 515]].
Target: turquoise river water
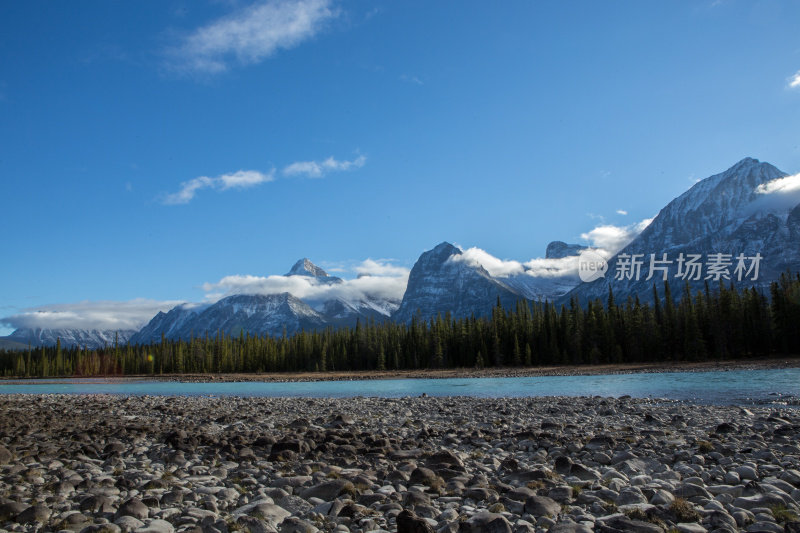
[[734, 387]]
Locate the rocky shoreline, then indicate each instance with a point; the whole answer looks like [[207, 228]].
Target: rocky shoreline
[[413, 465]]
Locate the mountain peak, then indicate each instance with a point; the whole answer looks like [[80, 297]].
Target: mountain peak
[[560, 249], [304, 267], [444, 249]]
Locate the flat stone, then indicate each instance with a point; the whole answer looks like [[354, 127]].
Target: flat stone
[[294, 524], [485, 522], [133, 507], [765, 527], [329, 490], [157, 526], [542, 506], [128, 523]]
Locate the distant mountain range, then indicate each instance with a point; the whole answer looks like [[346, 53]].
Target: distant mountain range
[[90, 338], [727, 213]]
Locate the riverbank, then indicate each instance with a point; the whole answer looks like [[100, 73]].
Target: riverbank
[[452, 465], [566, 370]]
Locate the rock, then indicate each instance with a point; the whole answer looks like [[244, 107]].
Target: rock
[[102, 528], [725, 428], [722, 520], [690, 528], [583, 473], [409, 522], [764, 527], [294, 524], [274, 514], [623, 523], [157, 526], [5, 455], [128, 523], [758, 500], [485, 522], [34, 513], [747, 472], [630, 495], [11, 510], [445, 457], [329, 490], [790, 476], [254, 525], [542, 506], [133, 507], [690, 490], [560, 494], [600, 442], [569, 527], [422, 476]]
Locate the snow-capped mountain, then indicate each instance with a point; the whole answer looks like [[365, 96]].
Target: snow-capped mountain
[[540, 288], [170, 324], [304, 267], [340, 310], [88, 338], [259, 314], [256, 314], [727, 213], [441, 281]]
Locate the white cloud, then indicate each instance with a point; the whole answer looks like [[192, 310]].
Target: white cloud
[[787, 185], [237, 180], [605, 240], [317, 169], [794, 81], [371, 267], [608, 239], [493, 265], [546, 267], [244, 179], [102, 315], [377, 280], [411, 79], [621, 212], [250, 35]]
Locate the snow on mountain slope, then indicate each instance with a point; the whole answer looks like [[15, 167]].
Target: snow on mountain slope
[[170, 324], [726, 213], [89, 338], [439, 283]]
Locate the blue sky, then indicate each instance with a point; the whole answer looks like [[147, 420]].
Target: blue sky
[[150, 149]]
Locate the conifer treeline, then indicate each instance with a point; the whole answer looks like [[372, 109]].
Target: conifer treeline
[[718, 324]]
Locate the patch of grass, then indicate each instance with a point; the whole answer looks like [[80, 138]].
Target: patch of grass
[[610, 506], [437, 484], [497, 508], [703, 446], [536, 484], [782, 514], [576, 490], [684, 511], [167, 476], [636, 514], [333, 475]]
